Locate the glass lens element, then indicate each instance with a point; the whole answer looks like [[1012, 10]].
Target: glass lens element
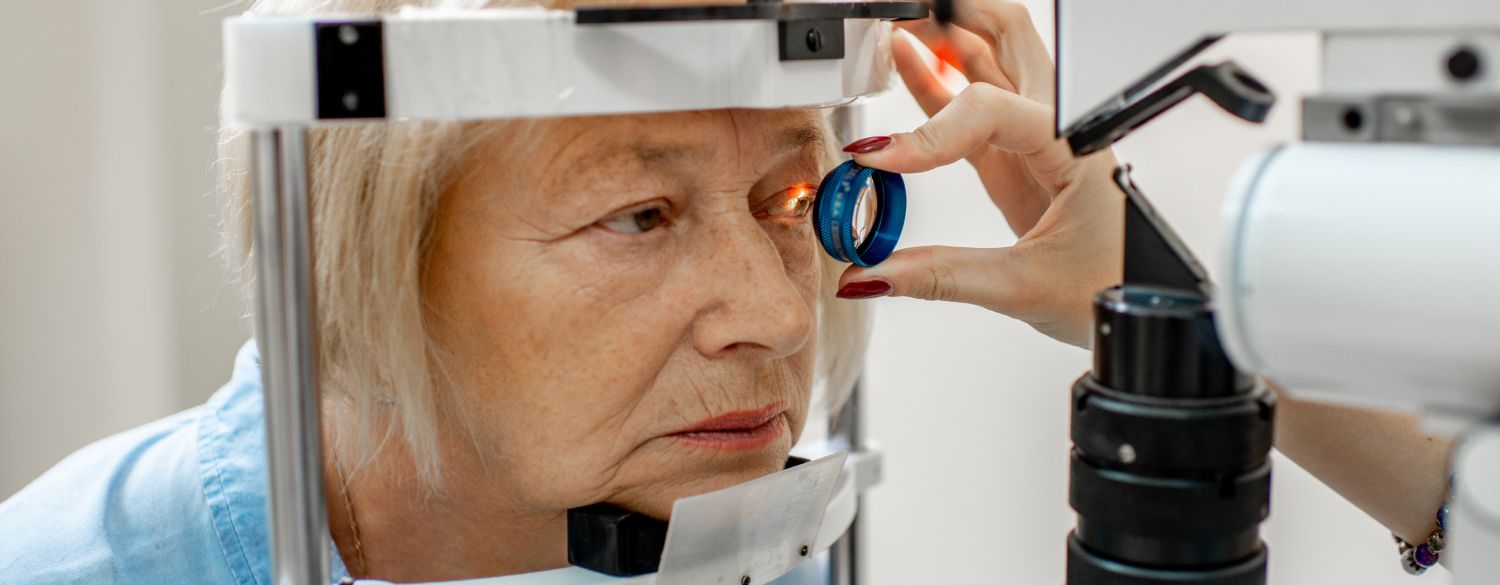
[[865, 209]]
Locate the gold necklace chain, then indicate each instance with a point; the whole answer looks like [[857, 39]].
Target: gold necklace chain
[[359, 549]]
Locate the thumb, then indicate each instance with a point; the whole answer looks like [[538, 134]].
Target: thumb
[[977, 276]]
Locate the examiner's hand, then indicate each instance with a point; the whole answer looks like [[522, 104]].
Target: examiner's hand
[[1067, 211]]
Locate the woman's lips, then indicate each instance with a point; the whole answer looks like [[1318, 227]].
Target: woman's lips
[[737, 431]]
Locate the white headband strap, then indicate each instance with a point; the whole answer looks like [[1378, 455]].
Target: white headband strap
[[531, 62]]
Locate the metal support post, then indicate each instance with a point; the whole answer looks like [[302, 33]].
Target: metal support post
[[844, 556], [286, 335]]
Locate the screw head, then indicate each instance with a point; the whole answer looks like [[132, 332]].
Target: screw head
[[1127, 453], [1405, 116], [1353, 119], [814, 40], [348, 35], [1463, 64]]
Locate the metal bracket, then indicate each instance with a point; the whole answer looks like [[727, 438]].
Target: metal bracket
[[1463, 120], [1155, 256], [350, 72]]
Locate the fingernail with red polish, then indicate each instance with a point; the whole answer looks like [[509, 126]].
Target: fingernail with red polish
[[864, 289], [868, 145]]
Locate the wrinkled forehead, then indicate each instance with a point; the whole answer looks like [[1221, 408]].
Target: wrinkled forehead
[[738, 141]]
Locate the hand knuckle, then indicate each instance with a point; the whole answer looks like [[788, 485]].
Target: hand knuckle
[[942, 282], [983, 92], [939, 281], [1013, 14], [927, 141], [975, 99]]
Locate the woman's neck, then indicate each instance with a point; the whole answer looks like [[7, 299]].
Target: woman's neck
[[465, 530]]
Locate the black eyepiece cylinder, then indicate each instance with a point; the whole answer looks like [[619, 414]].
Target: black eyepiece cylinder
[[1170, 468]]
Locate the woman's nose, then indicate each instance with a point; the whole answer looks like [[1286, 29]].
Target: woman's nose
[[756, 305]]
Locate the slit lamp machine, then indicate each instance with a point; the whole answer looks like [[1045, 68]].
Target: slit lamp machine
[[1362, 263]]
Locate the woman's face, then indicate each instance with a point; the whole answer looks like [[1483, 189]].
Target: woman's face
[[601, 290]]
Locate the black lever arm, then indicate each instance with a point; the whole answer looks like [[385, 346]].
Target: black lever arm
[[1226, 84]]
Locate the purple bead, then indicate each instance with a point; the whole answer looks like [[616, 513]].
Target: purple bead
[[1425, 556]]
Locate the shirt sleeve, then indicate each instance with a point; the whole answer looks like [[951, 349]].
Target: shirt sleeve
[[128, 510]]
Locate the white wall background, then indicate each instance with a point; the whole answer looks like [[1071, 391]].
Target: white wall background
[[116, 312]]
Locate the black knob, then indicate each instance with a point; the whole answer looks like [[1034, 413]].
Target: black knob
[[814, 40], [1464, 64]]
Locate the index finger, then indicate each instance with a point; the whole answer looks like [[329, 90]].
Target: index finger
[[1019, 50], [975, 55], [980, 115]]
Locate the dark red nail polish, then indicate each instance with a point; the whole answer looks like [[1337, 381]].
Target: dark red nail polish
[[864, 289], [868, 145]]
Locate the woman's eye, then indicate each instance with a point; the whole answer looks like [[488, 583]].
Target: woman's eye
[[790, 203], [636, 221]]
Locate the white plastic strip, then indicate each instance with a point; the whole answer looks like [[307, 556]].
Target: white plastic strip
[[754, 529], [530, 62], [268, 71]]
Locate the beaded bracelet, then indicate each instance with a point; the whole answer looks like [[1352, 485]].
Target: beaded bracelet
[[1417, 559]]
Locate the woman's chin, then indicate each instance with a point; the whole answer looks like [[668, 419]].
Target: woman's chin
[[707, 464]]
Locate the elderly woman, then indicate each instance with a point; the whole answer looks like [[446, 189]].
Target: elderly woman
[[516, 318], [522, 317]]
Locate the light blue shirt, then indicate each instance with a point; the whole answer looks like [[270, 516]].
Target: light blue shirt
[[180, 500]]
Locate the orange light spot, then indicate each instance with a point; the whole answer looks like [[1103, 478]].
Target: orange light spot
[[947, 56], [801, 196]]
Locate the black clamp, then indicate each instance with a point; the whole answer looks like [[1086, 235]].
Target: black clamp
[[612, 540], [350, 74], [806, 40]]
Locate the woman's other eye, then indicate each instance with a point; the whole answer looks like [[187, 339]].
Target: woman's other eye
[[636, 221], [790, 203]]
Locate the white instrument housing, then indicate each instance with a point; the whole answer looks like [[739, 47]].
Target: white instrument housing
[[531, 62], [1308, 295]]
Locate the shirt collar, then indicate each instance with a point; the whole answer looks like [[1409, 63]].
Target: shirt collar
[[232, 464]]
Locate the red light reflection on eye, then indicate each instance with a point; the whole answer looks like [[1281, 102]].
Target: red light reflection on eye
[[791, 202], [801, 195], [798, 199]]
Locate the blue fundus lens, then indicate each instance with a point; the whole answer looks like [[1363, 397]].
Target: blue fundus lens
[[860, 212]]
